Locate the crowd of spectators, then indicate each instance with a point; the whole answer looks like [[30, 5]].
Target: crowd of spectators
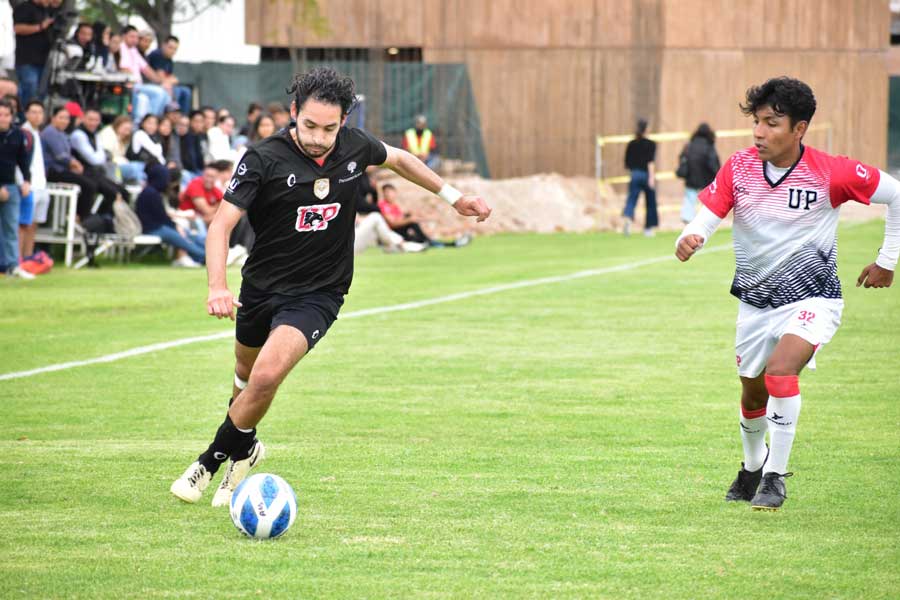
[[166, 160]]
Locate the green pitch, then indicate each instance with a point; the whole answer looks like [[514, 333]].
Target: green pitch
[[572, 439]]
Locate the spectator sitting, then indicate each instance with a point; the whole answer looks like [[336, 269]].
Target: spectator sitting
[[367, 200], [171, 145], [32, 20], [419, 140], [253, 113], [194, 145], [145, 40], [80, 48], [151, 92], [263, 127], [14, 151], [155, 220], [405, 224], [372, 229], [161, 60], [38, 199], [92, 156], [115, 139], [113, 54], [100, 43], [202, 196], [62, 167], [220, 139], [209, 117], [280, 114], [145, 146]]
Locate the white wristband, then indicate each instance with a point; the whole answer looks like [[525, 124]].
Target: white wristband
[[449, 194]]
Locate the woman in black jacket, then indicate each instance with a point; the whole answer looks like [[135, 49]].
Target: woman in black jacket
[[702, 162]]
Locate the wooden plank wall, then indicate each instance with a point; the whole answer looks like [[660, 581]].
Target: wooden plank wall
[[550, 76]]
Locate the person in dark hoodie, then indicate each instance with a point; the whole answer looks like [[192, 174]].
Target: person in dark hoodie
[[155, 220], [702, 162], [15, 150]]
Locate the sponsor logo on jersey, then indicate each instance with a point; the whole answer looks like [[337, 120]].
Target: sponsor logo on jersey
[[232, 185], [315, 334], [352, 166], [316, 217], [351, 178], [291, 180], [713, 187], [321, 188], [242, 169], [862, 171]]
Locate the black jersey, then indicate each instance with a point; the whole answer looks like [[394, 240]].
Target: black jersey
[[303, 214]]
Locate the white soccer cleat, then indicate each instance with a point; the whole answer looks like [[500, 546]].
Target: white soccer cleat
[[236, 472], [189, 487]]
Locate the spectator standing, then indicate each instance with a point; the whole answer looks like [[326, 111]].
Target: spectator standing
[[161, 60], [14, 151], [31, 21], [39, 198], [640, 157], [419, 141], [702, 162]]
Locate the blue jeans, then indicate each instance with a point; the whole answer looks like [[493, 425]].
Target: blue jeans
[[689, 205], [640, 182], [148, 98], [9, 228], [133, 171], [29, 82], [191, 243], [183, 98]]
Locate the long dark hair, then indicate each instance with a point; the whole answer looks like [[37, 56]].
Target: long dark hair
[[706, 132]]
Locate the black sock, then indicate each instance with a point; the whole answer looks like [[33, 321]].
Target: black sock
[[229, 441]]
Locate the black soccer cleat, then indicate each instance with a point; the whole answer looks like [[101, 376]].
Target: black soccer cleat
[[744, 485], [771, 492]]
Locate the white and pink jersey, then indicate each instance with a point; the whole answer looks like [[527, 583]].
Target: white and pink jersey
[[785, 243]]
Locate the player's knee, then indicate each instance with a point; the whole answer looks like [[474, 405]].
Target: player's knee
[[265, 379], [754, 399], [779, 368]]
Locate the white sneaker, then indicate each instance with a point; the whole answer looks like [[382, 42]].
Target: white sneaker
[[21, 273], [186, 262], [650, 232], [189, 487], [463, 240], [626, 227], [235, 253], [236, 472], [413, 246]]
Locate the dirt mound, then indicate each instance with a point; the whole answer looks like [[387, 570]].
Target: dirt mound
[[550, 203]]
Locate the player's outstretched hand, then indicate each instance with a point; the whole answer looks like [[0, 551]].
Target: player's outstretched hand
[[220, 304], [688, 245], [473, 206], [874, 276]]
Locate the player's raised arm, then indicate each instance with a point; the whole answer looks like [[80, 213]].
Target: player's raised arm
[[412, 169], [880, 274], [220, 302]]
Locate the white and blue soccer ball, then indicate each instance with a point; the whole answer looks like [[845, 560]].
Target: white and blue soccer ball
[[263, 506]]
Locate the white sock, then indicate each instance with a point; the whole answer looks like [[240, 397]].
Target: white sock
[[782, 415], [753, 437]]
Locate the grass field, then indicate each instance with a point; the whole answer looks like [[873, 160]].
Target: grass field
[[570, 439]]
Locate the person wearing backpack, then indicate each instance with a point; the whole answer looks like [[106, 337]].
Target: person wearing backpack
[[697, 165]]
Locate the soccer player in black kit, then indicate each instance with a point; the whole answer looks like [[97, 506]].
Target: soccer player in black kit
[[298, 189]]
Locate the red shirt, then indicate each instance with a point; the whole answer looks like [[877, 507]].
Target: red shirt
[[390, 210], [195, 189]]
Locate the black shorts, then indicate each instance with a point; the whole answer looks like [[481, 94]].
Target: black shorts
[[261, 312]]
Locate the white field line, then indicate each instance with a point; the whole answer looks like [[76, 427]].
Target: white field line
[[516, 285]]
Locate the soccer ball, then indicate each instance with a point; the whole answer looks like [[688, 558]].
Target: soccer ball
[[263, 506]]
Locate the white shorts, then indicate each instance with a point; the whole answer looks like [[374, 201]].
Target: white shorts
[[759, 329]]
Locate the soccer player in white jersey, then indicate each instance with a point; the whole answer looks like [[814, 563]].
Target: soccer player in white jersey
[[786, 198]]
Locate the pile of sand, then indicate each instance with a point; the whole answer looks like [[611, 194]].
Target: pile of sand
[[550, 203]]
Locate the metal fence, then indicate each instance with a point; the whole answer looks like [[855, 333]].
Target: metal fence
[[394, 94]]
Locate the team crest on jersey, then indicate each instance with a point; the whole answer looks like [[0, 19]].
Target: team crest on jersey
[[321, 188], [861, 171], [352, 166], [316, 217]]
